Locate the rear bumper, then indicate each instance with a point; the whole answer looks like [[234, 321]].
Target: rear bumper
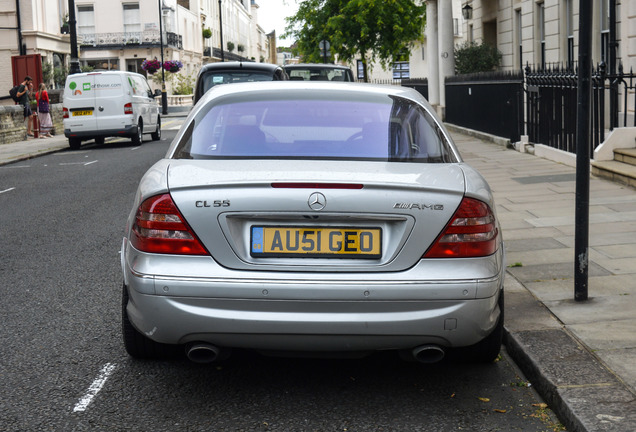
[[309, 311], [126, 131], [308, 325]]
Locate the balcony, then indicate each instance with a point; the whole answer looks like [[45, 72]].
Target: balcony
[[123, 40]]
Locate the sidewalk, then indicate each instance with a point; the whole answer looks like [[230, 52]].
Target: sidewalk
[[580, 356]]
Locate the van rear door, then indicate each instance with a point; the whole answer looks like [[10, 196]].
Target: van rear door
[[110, 97], [79, 99]]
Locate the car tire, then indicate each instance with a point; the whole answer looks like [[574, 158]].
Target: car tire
[[156, 135], [138, 137], [137, 345], [74, 143], [100, 140], [486, 350]]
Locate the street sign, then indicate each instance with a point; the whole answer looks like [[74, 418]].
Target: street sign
[[324, 45]]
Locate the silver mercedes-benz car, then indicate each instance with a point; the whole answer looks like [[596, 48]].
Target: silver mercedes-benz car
[[322, 218]]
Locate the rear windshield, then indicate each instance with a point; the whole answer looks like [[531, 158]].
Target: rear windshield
[[317, 74], [377, 128], [211, 79]]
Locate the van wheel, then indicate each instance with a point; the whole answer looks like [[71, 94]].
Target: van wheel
[[156, 135], [137, 138], [74, 143]]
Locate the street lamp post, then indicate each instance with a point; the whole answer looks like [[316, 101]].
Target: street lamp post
[[221, 30], [164, 95], [74, 64]]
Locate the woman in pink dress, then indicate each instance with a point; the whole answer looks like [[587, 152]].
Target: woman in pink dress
[[44, 115]]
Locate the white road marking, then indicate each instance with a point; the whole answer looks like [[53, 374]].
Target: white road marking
[[7, 190], [16, 166], [95, 387], [89, 163]]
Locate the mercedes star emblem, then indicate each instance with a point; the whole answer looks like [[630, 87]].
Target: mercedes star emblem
[[317, 201]]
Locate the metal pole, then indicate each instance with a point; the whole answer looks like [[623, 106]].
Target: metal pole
[[21, 46], [164, 94], [583, 148], [72, 24], [221, 30]]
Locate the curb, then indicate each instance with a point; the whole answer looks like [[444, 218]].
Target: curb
[[504, 142]]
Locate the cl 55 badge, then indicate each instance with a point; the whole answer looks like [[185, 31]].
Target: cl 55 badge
[[215, 203]]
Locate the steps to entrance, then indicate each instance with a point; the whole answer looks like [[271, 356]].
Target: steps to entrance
[[621, 170]]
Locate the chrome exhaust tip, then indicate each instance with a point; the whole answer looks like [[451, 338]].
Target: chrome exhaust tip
[[202, 352], [428, 353]]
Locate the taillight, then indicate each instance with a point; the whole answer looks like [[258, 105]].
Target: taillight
[[65, 113], [160, 228], [128, 108], [472, 232]]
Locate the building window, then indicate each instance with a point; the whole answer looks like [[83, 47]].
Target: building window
[[471, 36], [456, 27], [104, 64], [401, 70], [85, 20], [569, 27], [132, 23], [519, 37], [605, 30], [541, 32]]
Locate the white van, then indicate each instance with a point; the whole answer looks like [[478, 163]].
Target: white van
[[109, 103]]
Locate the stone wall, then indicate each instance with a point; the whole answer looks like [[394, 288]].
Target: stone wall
[[13, 126]]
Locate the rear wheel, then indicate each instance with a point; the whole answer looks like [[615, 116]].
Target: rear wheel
[[156, 135], [74, 143], [137, 345], [137, 138]]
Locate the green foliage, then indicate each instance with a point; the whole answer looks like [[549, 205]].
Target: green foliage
[[207, 33], [471, 57], [59, 76], [184, 85], [240, 48], [87, 68], [230, 46], [47, 72], [376, 30]]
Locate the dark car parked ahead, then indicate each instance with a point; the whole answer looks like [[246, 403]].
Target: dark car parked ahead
[[319, 72], [213, 74]]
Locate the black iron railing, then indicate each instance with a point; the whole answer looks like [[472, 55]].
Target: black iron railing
[[551, 105]]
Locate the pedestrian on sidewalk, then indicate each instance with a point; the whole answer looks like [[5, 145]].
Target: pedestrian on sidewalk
[[23, 95], [44, 115]]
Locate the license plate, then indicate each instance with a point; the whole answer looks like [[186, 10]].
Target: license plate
[[82, 113], [314, 242]]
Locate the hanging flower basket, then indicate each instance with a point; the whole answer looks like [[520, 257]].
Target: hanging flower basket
[[151, 66], [173, 66]]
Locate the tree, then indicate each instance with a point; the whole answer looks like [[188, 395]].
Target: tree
[[471, 57], [375, 30]]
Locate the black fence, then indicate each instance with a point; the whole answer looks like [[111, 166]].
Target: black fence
[[421, 85], [552, 104], [488, 102]]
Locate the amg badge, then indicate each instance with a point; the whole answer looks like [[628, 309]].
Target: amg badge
[[418, 206]]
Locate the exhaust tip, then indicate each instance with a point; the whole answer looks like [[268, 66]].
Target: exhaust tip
[[428, 353], [202, 353]]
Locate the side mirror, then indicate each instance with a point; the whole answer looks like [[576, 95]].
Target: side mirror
[[157, 92]]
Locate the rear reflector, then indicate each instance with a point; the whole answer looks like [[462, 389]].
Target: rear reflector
[[472, 232], [317, 185], [160, 228]]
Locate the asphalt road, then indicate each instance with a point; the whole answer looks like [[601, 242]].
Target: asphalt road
[[63, 366]]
